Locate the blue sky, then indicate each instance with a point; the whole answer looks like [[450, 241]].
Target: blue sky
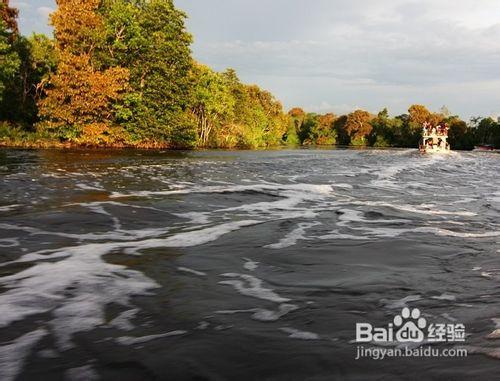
[[339, 55]]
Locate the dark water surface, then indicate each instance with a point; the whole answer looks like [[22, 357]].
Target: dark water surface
[[243, 265]]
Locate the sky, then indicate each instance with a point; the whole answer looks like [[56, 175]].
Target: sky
[[341, 55]]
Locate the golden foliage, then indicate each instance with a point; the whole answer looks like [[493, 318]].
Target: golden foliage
[[358, 124], [77, 24], [420, 114], [82, 96]]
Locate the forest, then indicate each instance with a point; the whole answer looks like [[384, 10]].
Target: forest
[[120, 73]]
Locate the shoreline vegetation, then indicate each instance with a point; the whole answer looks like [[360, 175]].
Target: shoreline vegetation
[[120, 74]]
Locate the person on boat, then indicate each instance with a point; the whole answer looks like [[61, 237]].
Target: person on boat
[[426, 128]]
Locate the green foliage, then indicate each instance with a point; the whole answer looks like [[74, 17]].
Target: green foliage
[[213, 104], [24, 89], [232, 114], [16, 135], [10, 61], [486, 131], [386, 131], [311, 128], [461, 137], [150, 40]]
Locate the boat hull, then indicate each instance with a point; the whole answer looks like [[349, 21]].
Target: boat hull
[[435, 151]]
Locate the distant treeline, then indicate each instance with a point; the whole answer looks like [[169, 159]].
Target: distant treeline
[[360, 128], [121, 73]]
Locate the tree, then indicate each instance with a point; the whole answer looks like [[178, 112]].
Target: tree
[[148, 37], [385, 130], [420, 114], [296, 118], [25, 88], [9, 17], [487, 131], [325, 133], [460, 135], [213, 105], [10, 61], [357, 127], [82, 94], [79, 103]]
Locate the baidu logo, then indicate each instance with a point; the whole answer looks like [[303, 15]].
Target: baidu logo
[[409, 327]]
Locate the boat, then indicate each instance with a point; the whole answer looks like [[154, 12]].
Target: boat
[[434, 139], [485, 147]]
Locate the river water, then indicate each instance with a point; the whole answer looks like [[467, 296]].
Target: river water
[[136, 265]]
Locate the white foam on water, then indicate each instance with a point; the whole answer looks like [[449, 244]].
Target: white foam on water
[[196, 218], [386, 232], [262, 314], [301, 335], [95, 186], [294, 236], [445, 296], [401, 303], [415, 209], [269, 315], [99, 209], [343, 186], [494, 335], [48, 354], [9, 242], [203, 325], [250, 265], [8, 208], [464, 200], [122, 321], [287, 206], [448, 317], [14, 354], [349, 215], [113, 235], [194, 237], [449, 233], [129, 340], [496, 321], [249, 285], [82, 373], [191, 271], [335, 234], [387, 176], [71, 289], [323, 189]]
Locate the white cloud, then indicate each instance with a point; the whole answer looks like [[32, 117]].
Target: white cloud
[[353, 52], [44, 12], [348, 52]]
